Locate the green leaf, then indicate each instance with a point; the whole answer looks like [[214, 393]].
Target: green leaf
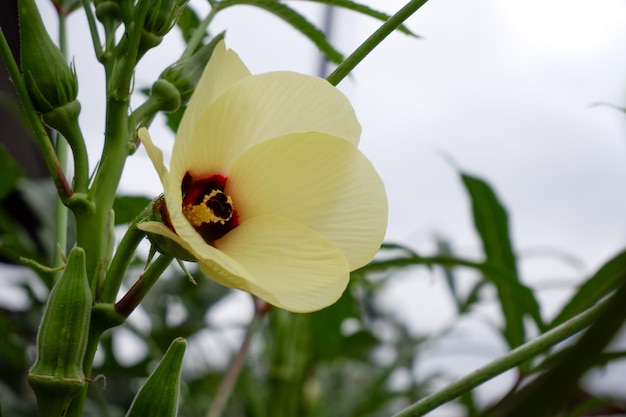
[[10, 173], [128, 207], [605, 280], [492, 223], [296, 20], [188, 22], [328, 341], [361, 8], [173, 118], [472, 298]]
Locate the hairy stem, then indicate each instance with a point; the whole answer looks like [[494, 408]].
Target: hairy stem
[[230, 379], [138, 291], [513, 358], [375, 38]]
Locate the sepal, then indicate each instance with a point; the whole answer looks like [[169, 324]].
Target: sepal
[[50, 81], [185, 73], [163, 244], [161, 17]]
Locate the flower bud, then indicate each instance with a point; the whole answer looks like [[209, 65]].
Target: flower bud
[[108, 12], [50, 81], [167, 95], [159, 394], [161, 17], [57, 375], [185, 73]]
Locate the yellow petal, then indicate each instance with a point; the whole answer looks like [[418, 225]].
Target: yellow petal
[[293, 267], [155, 154], [223, 70], [319, 180], [258, 108]]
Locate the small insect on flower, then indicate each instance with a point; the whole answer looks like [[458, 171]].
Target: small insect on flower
[[266, 188]]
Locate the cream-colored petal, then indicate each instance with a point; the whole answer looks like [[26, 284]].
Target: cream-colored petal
[[160, 229], [258, 108], [319, 180], [154, 153], [215, 264], [223, 70], [294, 267]]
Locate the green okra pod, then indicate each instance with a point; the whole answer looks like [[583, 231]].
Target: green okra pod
[[158, 397], [57, 375]]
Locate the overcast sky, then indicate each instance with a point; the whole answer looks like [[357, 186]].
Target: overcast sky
[[503, 88]]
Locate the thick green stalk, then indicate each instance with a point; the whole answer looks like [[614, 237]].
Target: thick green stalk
[[513, 358], [103, 317], [93, 226], [375, 38]]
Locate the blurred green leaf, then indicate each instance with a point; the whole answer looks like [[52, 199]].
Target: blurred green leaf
[[10, 173], [366, 10], [472, 298], [296, 20], [188, 22], [173, 118], [328, 340], [128, 207], [605, 280], [491, 222]]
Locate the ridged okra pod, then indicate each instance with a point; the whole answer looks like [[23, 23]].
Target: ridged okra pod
[[57, 375], [158, 397]]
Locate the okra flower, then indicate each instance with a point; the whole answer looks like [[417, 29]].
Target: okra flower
[[266, 188]]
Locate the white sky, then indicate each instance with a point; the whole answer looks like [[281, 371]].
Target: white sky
[[504, 88]]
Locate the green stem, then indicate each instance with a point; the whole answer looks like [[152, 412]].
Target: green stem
[[74, 137], [93, 29], [230, 379], [199, 34], [144, 114], [138, 291], [39, 132], [61, 216], [123, 256], [370, 43], [513, 358]]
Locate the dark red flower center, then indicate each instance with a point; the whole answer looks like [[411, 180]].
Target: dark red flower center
[[207, 207]]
